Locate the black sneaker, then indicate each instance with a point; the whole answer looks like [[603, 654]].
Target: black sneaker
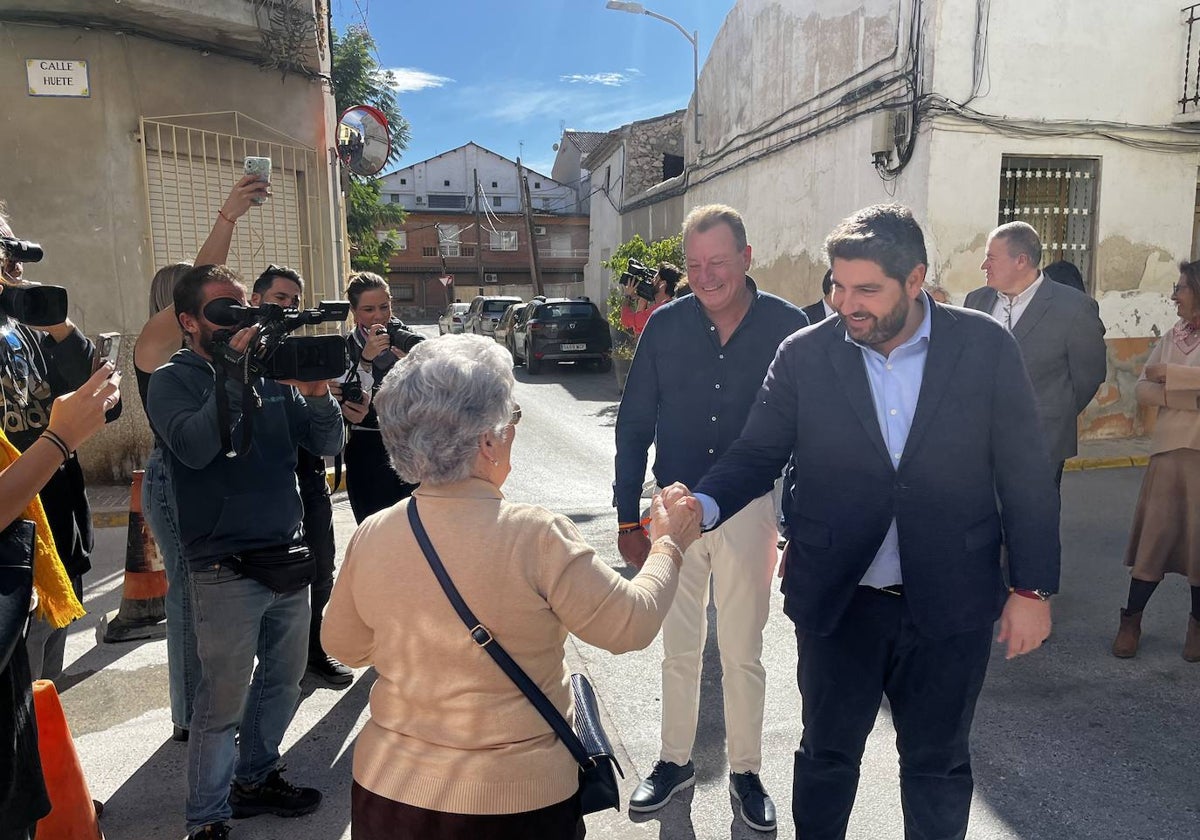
[[664, 781], [330, 670], [275, 795], [179, 733], [758, 811], [212, 831]]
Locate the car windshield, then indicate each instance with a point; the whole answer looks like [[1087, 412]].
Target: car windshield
[[565, 310], [496, 307]]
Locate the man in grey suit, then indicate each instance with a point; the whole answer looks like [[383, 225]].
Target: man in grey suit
[[1057, 328]]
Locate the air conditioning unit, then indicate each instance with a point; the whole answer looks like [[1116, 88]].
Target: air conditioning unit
[[539, 230], [420, 199], [491, 278]]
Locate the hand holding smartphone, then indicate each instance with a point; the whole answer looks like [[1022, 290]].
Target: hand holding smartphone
[[108, 348], [260, 167]]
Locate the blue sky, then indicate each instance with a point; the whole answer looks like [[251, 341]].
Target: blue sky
[[503, 73]]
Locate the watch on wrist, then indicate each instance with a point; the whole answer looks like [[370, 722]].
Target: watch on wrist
[[1036, 594]]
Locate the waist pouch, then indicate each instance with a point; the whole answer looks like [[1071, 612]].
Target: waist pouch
[[281, 568]]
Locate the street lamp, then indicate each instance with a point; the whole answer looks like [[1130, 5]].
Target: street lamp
[[693, 39]]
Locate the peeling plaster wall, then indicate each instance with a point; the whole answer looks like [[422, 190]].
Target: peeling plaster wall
[[1144, 217], [792, 199]]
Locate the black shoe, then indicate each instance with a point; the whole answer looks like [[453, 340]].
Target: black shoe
[[212, 831], [664, 781], [179, 733], [330, 670], [758, 811], [274, 795]]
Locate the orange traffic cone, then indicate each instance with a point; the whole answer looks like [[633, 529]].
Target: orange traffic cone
[[142, 614], [72, 813]]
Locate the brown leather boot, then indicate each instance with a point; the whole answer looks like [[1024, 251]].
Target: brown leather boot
[[1130, 633], [1191, 645]]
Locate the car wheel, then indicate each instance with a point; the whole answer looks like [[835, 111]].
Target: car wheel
[[532, 364], [604, 365]]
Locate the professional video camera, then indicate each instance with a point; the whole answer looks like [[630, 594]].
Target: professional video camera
[[32, 304], [274, 353], [644, 275]]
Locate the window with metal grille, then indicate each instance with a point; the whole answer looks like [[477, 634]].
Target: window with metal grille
[[504, 240], [404, 292], [495, 201], [1057, 197], [189, 167], [447, 202]]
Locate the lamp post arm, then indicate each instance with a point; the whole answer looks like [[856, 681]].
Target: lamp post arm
[[691, 38]]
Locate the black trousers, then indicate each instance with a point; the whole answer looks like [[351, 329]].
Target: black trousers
[[318, 536], [931, 685], [371, 482], [375, 817]]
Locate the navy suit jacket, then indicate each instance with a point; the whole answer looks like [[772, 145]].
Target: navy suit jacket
[[970, 469]]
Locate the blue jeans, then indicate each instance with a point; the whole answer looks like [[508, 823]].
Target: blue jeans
[[238, 619], [183, 663]]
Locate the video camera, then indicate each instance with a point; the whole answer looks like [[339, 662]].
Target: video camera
[[274, 354], [644, 275], [32, 304]]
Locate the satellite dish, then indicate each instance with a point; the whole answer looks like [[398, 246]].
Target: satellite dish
[[554, 147], [364, 141]]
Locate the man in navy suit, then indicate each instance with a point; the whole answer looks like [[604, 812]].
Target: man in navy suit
[[892, 576]]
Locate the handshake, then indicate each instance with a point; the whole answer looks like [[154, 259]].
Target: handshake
[[674, 513]]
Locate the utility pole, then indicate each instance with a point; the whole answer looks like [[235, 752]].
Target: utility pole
[[534, 271], [478, 231]]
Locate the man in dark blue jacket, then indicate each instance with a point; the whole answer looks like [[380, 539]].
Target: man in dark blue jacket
[[236, 514], [694, 377], [905, 421]]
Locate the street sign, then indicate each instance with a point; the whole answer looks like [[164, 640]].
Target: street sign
[[446, 279], [57, 77]]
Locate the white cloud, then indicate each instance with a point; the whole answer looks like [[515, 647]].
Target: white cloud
[[606, 79], [410, 79]]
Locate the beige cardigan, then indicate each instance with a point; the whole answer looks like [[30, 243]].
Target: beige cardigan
[[1178, 425], [448, 730]]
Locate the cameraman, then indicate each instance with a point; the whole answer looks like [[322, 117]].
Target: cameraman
[[239, 524], [283, 286], [371, 483], [36, 366], [636, 310]]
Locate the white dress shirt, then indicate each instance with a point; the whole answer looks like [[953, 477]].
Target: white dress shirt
[[1008, 310]]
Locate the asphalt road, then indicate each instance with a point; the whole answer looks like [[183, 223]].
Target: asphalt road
[[1068, 743]]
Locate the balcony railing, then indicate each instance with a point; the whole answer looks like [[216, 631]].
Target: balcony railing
[[1189, 103]]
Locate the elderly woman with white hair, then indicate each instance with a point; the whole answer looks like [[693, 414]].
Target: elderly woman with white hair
[[453, 749]]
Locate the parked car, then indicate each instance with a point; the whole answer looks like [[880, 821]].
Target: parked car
[[451, 321], [561, 330], [504, 325], [484, 312]]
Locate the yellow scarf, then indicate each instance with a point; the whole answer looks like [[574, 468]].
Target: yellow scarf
[[57, 603]]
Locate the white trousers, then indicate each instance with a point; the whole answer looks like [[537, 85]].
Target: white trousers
[[740, 558]]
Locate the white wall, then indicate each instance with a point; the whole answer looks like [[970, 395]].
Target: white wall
[[605, 227]]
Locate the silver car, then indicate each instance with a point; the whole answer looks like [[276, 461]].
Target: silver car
[[451, 321]]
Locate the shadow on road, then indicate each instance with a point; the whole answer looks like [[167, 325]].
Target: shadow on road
[[579, 380]]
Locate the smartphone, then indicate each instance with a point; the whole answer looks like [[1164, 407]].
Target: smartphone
[[108, 348], [260, 166]]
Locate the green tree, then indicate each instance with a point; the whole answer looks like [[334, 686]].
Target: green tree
[[648, 254], [359, 80]]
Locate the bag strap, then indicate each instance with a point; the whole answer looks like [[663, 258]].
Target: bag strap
[[483, 637]]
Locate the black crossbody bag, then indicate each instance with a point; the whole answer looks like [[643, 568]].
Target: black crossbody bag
[[588, 743]]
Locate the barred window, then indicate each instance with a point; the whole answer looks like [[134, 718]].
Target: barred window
[[1057, 197]]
